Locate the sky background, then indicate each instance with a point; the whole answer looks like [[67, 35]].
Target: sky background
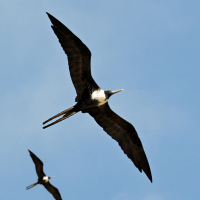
[[148, 48]]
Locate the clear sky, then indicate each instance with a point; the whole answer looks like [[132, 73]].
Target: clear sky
[[148, 48]]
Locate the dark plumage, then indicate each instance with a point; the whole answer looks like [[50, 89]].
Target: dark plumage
[[42, 178], [93, 100]]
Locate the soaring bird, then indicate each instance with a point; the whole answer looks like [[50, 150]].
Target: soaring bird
[[42, 178], [94, 100]]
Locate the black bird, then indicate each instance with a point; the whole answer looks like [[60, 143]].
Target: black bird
[[94, 100], [42, 178]]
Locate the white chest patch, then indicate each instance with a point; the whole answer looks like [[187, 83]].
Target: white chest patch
[[45, 178], [99, 95]]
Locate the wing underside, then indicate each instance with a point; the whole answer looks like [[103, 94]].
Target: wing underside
[[53, 190], [124, 133], [38, 164], [79, 57]]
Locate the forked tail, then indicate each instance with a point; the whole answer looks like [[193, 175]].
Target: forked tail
[[32, 185], [66, 113]]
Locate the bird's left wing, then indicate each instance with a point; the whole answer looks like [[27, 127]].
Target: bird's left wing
[[79, 57], [124, 133], [38, 164], [53, 190]]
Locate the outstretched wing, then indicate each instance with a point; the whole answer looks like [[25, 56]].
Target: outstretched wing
[[38, 164], [78, 58], [53, 190], [124, 133]]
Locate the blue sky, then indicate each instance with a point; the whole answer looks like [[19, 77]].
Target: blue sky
[[148, 48]]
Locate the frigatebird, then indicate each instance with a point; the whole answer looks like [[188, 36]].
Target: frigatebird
[[94, 100], [42, 178]]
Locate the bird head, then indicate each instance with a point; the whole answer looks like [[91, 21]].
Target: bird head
[[109, 93]]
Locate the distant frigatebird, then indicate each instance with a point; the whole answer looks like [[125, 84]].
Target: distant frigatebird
[[42, 178], [94, 100]]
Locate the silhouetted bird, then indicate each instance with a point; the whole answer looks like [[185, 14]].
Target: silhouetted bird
[[94, 100], [42, 178]]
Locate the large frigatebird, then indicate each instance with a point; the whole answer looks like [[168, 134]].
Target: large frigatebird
[[42, 178], [94, 100]]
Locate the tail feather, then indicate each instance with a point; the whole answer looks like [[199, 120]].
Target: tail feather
[[31, 186], [66, 113]]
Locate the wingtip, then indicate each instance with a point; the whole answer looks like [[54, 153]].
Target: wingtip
[[149, 175], [144, 165], [30, 152], [150, 178], [50, 16]]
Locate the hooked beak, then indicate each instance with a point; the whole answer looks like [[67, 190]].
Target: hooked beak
[[113, 92], [51, 177]]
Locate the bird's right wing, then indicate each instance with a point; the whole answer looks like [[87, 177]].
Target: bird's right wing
[[53, 190], [124, 133], [78, 58], [38, 164]]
